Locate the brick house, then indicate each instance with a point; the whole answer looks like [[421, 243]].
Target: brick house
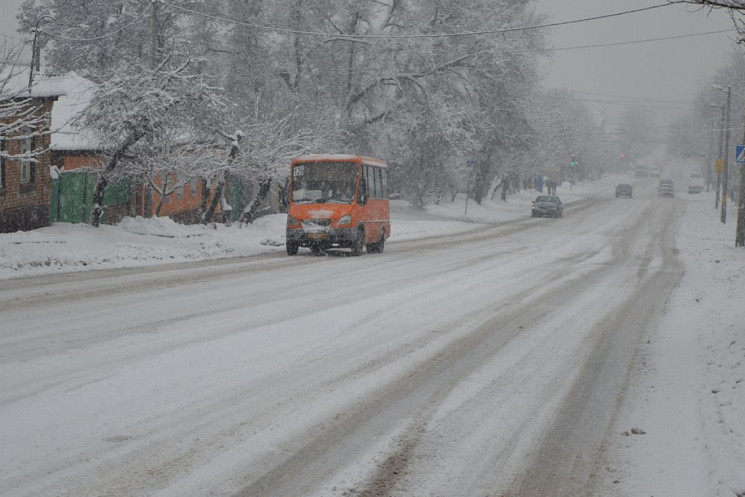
[[29, 199], [25, 185], [77, 152]]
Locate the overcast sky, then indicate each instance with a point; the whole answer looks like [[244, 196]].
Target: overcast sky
[[8, 24], [663, 70]]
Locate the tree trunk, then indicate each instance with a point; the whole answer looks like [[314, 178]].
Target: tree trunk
[[161, 195], [250, 211], [205, 191], [103, 179], [207, 216]]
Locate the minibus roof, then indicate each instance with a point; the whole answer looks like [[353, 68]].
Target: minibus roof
[[338, 158]]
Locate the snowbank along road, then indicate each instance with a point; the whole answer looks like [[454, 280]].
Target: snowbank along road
[[490, 363]]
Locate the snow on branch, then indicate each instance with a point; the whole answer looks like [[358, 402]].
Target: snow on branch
[[268, 147], [21, 116]]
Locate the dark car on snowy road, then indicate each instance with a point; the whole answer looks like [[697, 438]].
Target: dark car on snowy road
[[547, 205], [624, 190]]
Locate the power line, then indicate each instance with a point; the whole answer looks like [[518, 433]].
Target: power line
[[11, 37], [407, 37], [640, 99], [633, 42], [95, 38], [647, 104]]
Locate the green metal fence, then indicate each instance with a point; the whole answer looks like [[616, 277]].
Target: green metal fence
[[72, 196]]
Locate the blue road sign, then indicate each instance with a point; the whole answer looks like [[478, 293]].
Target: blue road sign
[[740, 154]]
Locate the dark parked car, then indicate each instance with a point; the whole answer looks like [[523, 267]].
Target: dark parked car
[[624, 190], [547, 205]]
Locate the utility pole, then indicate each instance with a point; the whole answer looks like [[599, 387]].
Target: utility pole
[[726, 158], [147, 207], [740, 230], [153, 31], [719, 159], [36, 52]]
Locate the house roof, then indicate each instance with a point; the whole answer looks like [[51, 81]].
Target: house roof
[[66, 134], [73, 93], [14, 84]]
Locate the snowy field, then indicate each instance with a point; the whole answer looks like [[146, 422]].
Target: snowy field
[[681, 431]]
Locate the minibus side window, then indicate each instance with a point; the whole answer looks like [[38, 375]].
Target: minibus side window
[[371, 190], [362, 197], [378, 182]]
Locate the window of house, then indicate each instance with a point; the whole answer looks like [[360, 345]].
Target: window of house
[[28, 165], [2, 165]]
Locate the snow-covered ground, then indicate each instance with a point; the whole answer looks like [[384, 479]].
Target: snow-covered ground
[[690, 401], [135, 242], [682, 430]]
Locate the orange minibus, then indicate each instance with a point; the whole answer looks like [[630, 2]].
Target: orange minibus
[[338, 201]]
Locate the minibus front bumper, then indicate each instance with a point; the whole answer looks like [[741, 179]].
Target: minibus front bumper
[[328, 238]]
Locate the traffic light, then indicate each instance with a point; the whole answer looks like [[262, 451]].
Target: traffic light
[[573, 162]]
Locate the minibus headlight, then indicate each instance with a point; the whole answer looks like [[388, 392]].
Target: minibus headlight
[[345, 220], [292, 222]]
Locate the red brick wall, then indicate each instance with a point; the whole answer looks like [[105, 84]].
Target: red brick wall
[[25, 206], [70, 162]]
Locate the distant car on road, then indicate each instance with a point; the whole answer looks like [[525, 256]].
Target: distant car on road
[[547, 205], [624, 190], [695, 185], [666, 188], [655, 171], [696, 181]]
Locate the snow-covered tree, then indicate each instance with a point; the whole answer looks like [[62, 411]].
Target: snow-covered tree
[[93, 37], [22, 120], [433, 87], [568, 132], [133, 112], [698, 134], [266, 149]]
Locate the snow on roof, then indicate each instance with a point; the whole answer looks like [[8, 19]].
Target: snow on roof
[[15, 79], [66, 135], [73, 93]]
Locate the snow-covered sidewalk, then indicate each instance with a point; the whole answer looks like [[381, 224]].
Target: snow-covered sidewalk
[[688, 407]]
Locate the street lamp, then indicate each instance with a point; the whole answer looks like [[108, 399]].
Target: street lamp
[[35, 51]]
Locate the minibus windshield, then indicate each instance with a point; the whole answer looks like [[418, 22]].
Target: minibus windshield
[[324, 182]]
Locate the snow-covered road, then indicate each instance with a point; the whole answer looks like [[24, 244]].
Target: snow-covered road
[[487, 363]]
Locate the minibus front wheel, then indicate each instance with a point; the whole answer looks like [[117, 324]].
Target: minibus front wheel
[[292, 247], [359, 242]]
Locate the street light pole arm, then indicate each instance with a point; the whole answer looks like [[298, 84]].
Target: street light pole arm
[[34, 48]]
